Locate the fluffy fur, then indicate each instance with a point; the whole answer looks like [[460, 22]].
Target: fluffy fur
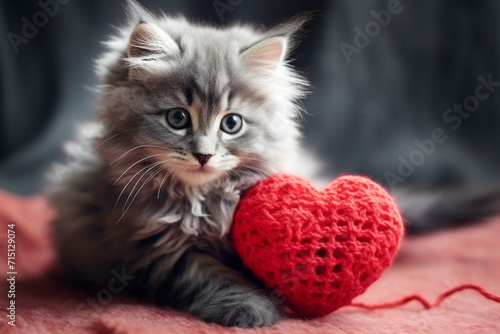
[[140, 200]]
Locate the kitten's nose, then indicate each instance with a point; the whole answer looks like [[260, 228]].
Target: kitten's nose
[[202, 158]]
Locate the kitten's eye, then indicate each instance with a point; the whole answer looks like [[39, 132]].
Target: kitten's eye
[[231, 123], [178, 118]]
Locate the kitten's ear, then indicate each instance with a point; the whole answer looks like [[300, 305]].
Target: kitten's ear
[[269, 53], [265, 55], [148, 42], [150, 48]]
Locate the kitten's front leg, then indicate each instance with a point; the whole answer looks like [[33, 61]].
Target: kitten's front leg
[[203, 286]]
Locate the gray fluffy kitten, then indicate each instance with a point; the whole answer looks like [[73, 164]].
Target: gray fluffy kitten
[[189, 117]]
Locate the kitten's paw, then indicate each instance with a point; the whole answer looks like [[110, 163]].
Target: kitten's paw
[[249, 311]]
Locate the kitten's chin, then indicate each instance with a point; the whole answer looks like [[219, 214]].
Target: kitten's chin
[[198, 177]]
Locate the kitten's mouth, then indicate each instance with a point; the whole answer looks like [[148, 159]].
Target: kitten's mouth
[[197, 175]]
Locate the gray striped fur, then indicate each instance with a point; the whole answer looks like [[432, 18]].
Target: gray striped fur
[[131, 201]]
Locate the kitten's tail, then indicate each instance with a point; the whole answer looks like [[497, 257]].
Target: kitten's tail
[[427, 211]]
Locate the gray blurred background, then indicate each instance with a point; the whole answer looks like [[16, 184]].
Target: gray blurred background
[[380, 84]]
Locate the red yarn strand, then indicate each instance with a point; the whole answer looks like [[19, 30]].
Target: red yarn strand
[[428, 305]]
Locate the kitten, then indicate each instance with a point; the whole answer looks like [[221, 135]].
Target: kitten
[[189, 117]]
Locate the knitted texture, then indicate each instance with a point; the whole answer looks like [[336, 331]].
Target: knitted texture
[[317, 249]]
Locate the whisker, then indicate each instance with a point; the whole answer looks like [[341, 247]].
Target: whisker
[[154, 155], [263, 174], [137, 147], [107, 140], [150, 168], [161, 184], [125, 187], [137, 193], [260, 175], [280, 169], [258, 169], [241, 177]]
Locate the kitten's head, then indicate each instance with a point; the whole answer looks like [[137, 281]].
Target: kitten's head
[[199, 103]]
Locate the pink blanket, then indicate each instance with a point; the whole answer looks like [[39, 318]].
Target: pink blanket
[[425, 265]]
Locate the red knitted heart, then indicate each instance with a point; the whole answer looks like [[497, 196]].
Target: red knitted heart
[[319, 249]]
